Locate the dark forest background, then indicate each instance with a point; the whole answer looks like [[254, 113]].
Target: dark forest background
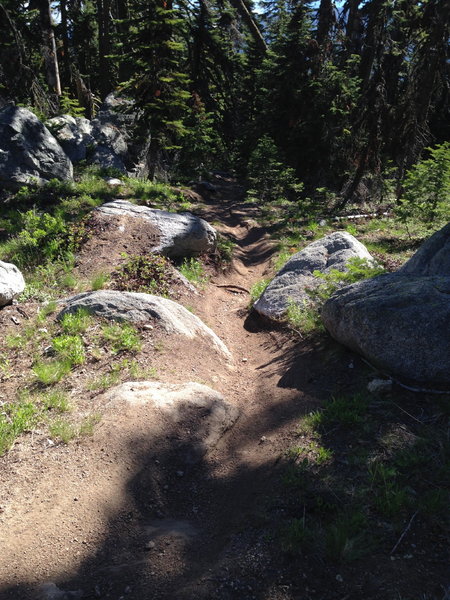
[[314, 96]]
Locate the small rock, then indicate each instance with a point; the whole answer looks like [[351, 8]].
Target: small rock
[[114, 181], [339, 578], [50, 591], [379, 386], [180, 473], [244, 359], [150, 545]]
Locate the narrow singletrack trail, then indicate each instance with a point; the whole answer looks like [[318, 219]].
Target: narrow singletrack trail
[[114, 520]]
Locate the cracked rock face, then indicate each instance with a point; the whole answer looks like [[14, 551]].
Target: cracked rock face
[[180, 234], [400, 322], [292, 282], [145, 308]]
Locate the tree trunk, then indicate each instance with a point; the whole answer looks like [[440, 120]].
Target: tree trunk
[[104, 46], [248, 19], [49, 44], [65, 40]]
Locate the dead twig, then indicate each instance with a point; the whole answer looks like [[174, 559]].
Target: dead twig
[[231, 285], [405, 531]]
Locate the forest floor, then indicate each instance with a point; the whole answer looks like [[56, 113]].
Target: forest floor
[[113, 516]]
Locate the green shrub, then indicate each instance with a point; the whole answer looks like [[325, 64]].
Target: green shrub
[[257, 289], [194, 271], [426, 188], [150, 273]]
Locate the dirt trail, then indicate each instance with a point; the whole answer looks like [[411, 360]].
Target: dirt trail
[[112, 517]]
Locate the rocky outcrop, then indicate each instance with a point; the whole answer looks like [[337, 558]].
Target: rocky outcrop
[[200, 409], [111, 130], [11, 282], [180, 234], [74, 135], [145, 308], [292, 282], [29, 154], [400, 322]]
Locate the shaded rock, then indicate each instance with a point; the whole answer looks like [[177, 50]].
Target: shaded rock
[[202, 409], [111, 130], [180, 234], [73, 134], [144, 308], [50, 591], [433, 256], [400, 323], [296, 277], [379, 386], [11, 282], [28, 151]]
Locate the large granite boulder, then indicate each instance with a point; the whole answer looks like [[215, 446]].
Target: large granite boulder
[[180, 234], [192, 408], [11, 282], [400, 322], [29, 153], [143, 308], [292, 282], [74, 135]]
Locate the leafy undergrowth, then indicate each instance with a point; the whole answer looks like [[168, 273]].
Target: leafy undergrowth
[[368, 476], [48, 225]]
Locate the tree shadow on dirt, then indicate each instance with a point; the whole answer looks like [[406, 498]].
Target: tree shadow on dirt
[[184, 527]]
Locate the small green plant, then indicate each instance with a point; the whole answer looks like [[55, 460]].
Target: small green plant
[[55, 400], [49, 373], [75, 323], [99, 281], [388, 496], [122, 337], [257, 290], [346, 411], [47, 309], [69, 105], [70, 348], [351, 229], [225, 248], [346, 538], [194, 271], [86, 427], [150, 273], [298, 537], [62, 430], [304, 318], [15, 418]]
